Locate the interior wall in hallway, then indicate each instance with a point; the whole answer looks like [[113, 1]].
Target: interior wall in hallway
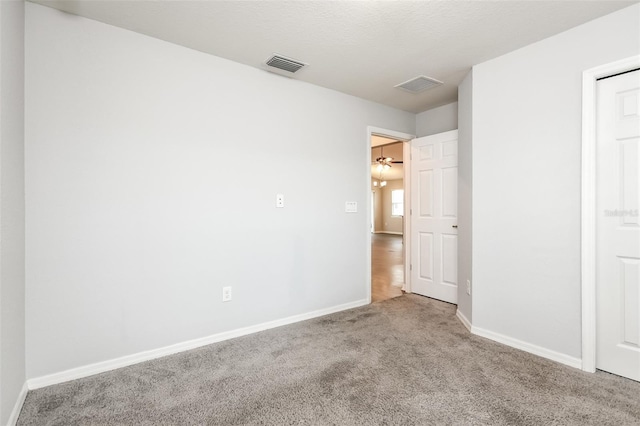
[[390, 223]]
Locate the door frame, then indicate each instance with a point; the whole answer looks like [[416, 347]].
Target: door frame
[[406, 163], [588, 207]]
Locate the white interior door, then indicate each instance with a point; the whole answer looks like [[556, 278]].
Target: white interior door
[[618, 225], [434, 216]]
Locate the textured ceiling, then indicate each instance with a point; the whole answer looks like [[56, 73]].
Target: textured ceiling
[[362, 48]]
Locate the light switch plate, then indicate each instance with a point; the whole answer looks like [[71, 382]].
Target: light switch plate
[[351, 207], [226, 294]]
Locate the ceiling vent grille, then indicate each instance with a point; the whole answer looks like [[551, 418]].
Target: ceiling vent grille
[[419, 84], [283, 65]]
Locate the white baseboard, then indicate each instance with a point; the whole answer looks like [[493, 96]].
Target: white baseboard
[[528, 347], [464, 320], [13, 418], [388, 232], [112, 364]]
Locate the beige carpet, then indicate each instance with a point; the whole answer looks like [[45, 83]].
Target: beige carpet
[[405, 361]]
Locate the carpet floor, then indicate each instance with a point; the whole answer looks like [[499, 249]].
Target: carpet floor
[[404, 361]]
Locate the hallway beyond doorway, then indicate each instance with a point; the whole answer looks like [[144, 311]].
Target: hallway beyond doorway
[[387, 274]]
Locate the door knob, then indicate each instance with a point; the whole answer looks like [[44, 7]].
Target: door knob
[[454, 226]]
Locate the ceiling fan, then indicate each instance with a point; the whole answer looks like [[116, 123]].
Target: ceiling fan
[[384, 163]]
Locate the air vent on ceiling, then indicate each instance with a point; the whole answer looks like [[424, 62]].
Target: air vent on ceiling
[[283, 65], [419, 84]]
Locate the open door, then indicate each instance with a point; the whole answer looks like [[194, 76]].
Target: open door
[[618, 225], [434, 216]]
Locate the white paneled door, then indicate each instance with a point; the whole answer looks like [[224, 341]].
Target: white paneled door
[[618, 225], [434, 216]]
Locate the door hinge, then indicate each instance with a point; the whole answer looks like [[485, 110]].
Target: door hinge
[[410, 212], [410, 267]]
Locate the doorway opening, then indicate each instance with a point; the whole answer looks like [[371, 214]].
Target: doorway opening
[[387, 176], [387, 181]]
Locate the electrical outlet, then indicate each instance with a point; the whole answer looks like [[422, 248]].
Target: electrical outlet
[[226, 294], [280, 201], [469, 287]]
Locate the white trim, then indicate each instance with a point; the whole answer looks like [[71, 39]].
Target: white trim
[[464, 320], [406, 184], [588, 207], [405, 137], [15, 413], [112, 364], [379, 131], [528, 347]]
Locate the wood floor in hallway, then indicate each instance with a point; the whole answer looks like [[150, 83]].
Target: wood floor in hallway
[[387, 275]]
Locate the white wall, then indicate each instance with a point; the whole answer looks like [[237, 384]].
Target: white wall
[[526, 181], [437, 120], [136, 151], [465, 186], [12, 281]]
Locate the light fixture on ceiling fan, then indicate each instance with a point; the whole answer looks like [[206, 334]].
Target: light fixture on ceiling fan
[[384, 164]]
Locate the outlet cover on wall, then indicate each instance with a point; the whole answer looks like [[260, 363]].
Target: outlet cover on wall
[[469, 287], [226, 294]]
